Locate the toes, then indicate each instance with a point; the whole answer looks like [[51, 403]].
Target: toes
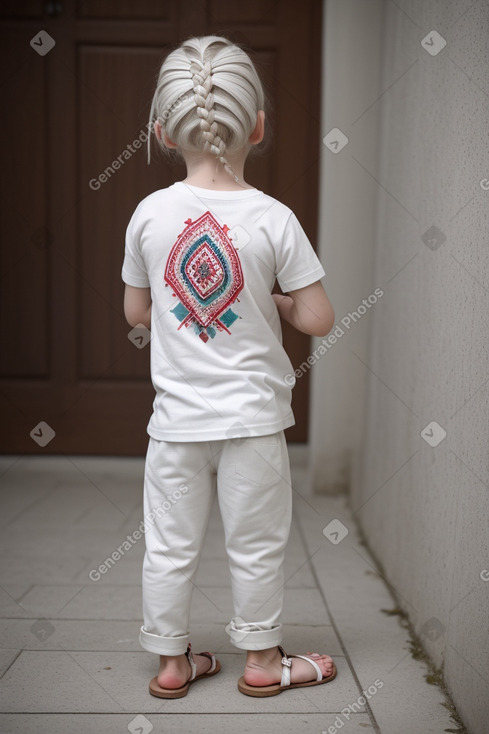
[[325, 662], [326, 668], [320, 658]]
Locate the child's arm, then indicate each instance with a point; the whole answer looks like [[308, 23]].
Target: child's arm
[[137, 306], [307, 309]]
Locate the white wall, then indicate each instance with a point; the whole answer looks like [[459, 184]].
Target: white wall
[[421, 353], [352, 46]]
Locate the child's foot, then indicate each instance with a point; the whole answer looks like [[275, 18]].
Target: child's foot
[[175, 670], [264, 667]]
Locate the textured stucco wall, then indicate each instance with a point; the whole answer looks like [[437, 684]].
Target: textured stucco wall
[[425, 509]]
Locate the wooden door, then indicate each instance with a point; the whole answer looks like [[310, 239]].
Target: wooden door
[[77, 81]]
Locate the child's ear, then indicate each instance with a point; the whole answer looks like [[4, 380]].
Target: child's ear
[[169, 143], [259, 131], [158, 128]]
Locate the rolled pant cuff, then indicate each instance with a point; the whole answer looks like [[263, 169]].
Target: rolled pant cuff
[[163, 645], [255, 640]]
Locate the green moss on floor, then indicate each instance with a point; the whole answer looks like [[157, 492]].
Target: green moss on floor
[[434, 675]]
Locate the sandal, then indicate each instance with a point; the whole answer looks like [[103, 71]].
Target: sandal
[[160, 692], [276, 688]]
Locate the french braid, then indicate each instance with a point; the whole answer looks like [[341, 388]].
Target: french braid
[[204, 100], [207, 98]]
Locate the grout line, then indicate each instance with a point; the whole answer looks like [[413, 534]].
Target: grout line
[[28, 507], [22, 596], [74, 619], [13, 661], [135, 621], [107, 652], [176, 713], [368, 708]]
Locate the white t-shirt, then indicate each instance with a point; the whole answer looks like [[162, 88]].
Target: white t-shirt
[[211, 258]]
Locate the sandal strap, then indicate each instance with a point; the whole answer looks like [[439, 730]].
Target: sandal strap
[[193, 665], [212, 659], [313, 662], [287, 664], [190, 658]]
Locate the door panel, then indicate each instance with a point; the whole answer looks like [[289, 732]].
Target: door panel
[[24, 257], [75, 154]]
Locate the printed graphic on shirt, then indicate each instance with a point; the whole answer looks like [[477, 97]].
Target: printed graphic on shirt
[[204, 272]]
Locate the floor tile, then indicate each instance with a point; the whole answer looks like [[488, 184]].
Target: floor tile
[[70, 657]]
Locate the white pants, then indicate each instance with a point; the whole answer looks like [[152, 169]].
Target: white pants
[[252, 476]]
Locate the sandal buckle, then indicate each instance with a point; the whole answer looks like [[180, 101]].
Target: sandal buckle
[[286, 661]]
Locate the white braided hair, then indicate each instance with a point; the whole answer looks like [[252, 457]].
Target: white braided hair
[[207, 98]]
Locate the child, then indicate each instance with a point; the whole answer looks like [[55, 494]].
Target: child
[[200, 263]]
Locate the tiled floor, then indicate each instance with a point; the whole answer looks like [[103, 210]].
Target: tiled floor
[[70, 657]]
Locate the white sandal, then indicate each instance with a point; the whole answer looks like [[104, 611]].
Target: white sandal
[[276, 688]]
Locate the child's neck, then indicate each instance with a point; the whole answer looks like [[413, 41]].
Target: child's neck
[[208, 173]]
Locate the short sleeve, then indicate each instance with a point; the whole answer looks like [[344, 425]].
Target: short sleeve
[[133, 269], [297, 265]]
